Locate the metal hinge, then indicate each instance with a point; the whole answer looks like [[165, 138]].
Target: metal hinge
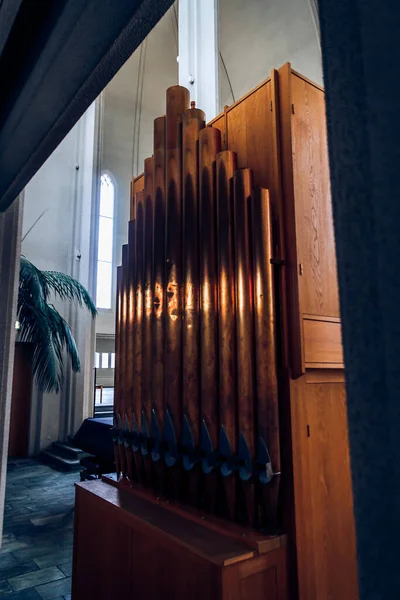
[[292, 109], [271, 105], [301, 268], [308, 431]]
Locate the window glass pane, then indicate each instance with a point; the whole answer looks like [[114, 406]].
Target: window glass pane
[[112, 363], [106, 197], [103, 299], [97, 360], [104, 360], [105, 239]]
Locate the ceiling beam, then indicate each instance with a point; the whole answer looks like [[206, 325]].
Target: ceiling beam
[[76, 53]]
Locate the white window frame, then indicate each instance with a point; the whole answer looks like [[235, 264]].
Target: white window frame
[[100, 216]]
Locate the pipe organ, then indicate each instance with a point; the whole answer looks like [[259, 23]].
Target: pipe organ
[[227, 347], [203, 297]]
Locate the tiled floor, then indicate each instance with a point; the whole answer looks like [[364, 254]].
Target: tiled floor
[[36, 554]]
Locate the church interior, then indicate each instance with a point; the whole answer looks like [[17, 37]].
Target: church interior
[[188, 373]]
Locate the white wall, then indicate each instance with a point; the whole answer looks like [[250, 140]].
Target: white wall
[[61, 241], [10, 248], [125, 145], [259, 35]]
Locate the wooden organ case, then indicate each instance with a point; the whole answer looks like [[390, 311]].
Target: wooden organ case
[[233, 478]]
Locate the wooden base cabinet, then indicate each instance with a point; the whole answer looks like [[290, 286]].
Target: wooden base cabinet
[[130, 546], [323, 502]]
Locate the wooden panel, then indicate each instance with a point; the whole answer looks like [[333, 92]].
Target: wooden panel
[[322, 343], [325, 537], [325, 376], [313, 205], [249, 125], [21, 400], [260, 586], [295, 329], [252, 131], [157, 553], [94, 533]]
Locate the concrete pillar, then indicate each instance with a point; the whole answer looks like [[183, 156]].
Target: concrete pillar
[[198, 53], [10, 250], [361, 57]]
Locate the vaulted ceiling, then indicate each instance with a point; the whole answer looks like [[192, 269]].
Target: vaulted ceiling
[[55, 58]]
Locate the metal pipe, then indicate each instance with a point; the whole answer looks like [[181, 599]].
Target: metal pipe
[[242, 187], [177, 103], [209, 146], [130, 345], [193, 122], [158, 314], [268, 450], [138, 330], [123, 361], [117, 371], [158, 273], [147, 312], [226, 166]]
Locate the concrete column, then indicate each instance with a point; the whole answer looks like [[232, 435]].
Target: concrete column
[[79, 386], [198, 53], [10, 250], [361, 57]]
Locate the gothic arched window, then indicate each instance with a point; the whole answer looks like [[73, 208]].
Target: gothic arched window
[[105, 243]]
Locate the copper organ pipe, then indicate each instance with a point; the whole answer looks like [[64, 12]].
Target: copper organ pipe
[[138, 328], [226, 166], [265, 357], [123, 357], [158, 315], [147, 312], [117, 416], [177, 103], [130, 345], [209, 146], [193, 122], [242, 185]]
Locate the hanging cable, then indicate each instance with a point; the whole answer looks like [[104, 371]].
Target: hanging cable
[[174, 19], [135, 119], [227, 76], [140, 103]]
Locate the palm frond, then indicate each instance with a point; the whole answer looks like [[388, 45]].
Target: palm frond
[[31, 284], [42, 324], [68, 288], [62, 332], [47, 362]]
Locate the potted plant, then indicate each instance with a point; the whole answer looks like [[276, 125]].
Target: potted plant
[[41, 324]]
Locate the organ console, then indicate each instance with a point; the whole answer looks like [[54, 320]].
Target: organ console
[[226, 308]]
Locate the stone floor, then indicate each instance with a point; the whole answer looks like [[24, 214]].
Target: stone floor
[[36, 554]]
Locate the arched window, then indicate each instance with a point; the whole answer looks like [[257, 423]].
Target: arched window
[[105, 245]]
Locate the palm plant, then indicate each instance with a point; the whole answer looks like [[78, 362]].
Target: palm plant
[[43, 326]]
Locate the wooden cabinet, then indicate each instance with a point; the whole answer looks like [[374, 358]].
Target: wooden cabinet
[[325, 537], [133, 546], [279, 130], [322, 492], [308, 224]]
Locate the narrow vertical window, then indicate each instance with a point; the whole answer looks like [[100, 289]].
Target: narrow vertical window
[[105, 246]]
